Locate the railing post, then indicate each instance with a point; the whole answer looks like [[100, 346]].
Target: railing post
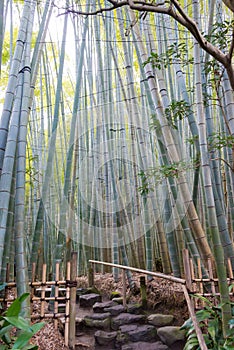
[[91, 275], [72, 308], [124, 288], [143, 292], [187, 270]]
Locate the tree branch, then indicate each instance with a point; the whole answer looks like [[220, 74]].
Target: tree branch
[[173, 9]]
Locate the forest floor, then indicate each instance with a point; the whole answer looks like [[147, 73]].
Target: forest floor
[[163, 296]]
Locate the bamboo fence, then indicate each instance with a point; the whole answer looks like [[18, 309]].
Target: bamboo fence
[[55, 299]]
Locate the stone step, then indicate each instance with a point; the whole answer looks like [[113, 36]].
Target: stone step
[[135, 333], [145, 346], [99, 307], [101, 321], [126, 318], [89, 300]]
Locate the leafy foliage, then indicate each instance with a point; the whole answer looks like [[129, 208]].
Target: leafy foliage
[[220, 34], [175, 51], [210, 322], [12, 319], [177, 110], [220, 140]]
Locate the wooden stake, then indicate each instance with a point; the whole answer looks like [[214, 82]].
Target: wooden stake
[[72, 310], [187, 271], [143, 292], [124, 288]]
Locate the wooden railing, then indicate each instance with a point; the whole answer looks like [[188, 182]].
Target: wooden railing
[[181, 281]]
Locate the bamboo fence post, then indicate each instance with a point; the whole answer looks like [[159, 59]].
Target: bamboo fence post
[[43, 291], [143, 292], [33, 278], [229, 266], [124, 288], [66, 331], [72, 310], [56, 294], [187, 271], [200, 285], [91, 275]]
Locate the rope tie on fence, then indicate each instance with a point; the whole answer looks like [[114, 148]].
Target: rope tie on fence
[[71, 284]]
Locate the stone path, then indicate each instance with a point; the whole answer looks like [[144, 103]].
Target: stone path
[[107, 325]]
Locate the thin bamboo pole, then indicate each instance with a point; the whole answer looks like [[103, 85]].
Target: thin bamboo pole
[[151, 273], [56, 294], [66, 332], [194, 320], [43, 289]]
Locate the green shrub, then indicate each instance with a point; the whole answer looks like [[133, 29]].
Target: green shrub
[[210, 322], [11, 319]]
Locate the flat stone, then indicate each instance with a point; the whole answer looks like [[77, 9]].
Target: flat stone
[[170, 334], [89, 300], [100, 307], [125, 318], [145, 346], [134, 309], [160, 320], [146, 332], [101, 321], [126, 328], [105, 338], [115, 310]]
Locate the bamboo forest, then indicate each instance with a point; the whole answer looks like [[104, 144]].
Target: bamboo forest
[[116, 136]]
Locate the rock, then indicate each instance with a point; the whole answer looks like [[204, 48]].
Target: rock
[[160, 320], [101, 321], [134, 309], [115, 310], [126, 318], [105, 338], [146, 332], [170, 334], [84, 291], [89, 300], [145, 346], [100, 307], [126, 328]]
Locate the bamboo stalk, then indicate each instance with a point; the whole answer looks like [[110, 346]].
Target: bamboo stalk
[[210, 271]]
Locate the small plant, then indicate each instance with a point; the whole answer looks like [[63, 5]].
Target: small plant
[[11, 319], [210, 322]]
